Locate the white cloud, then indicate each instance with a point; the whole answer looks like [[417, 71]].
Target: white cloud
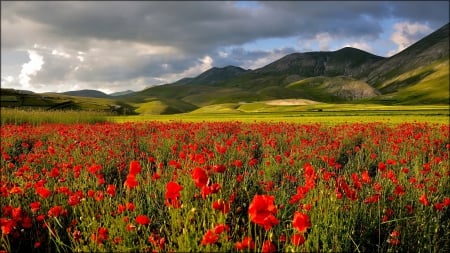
[[323, 39], [263, 61], [203, 64], [406, 33], [60, 53], [7, 81], [30, 68]]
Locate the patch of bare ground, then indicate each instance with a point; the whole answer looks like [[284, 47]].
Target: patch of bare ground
[[291, 102]]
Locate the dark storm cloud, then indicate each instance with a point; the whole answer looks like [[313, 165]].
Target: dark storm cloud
[[134, 42]]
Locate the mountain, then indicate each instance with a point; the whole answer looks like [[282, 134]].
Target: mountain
[[344, 62], [86, 93], [417, 75], [121, 93], [215, 76]]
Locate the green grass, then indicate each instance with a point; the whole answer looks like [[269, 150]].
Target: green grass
[[329, 114], [37, 117], [424, 85]]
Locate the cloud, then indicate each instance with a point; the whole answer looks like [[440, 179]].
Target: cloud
[[122, 45], [406, 34], [30, 68]]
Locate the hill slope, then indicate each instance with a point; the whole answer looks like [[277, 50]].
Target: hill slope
[[86, 93]]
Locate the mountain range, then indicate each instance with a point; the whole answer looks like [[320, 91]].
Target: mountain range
[[417, 75]]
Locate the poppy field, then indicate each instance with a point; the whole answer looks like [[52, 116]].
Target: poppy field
[[225, 186]]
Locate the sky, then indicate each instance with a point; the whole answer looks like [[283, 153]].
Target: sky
[[115, 46]]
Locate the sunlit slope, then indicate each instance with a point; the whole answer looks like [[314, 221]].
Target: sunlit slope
[[334, 89], [423, 85]]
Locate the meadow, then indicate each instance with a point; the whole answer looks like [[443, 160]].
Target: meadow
[[228, 182], [16, 116]]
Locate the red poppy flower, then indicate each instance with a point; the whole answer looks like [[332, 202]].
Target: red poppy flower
[[424, 200], [130, 206], [220, 228], [101, 236], [173, 194], [43, 192], [142, 220], [246, 244], [111, 190], [27, 222], [209, 238], [365, 177], [372, 199], [95, 169], [35, 206], [7, 225], [16, 190], [262, 210], [268, 247], [74, 200], [221, 205], [298, 239], [131, 181], [56, 211], [399, 190], [135, 168], [199, 176], [301, 222]]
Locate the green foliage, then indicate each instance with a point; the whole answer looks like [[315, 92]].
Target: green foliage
[[37, 117]]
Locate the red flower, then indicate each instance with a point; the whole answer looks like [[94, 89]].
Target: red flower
[[268, 246], [209, 238], [298, 239], [35, 206], [43, 192], [199, 176], [173, 194], [424, 200], [301, 222], [130, 206], [142, 220], [220, 228], [131, 181], [219, 168], [135, 168], [74, 200], [372, 199], [121, 208], [393, 240], [246, 244], [221, 205], [381, 166], [262, 210], [101, 236], [365, 177], [16, 190], [17, 213], [7, 225], [56, 211], [111, 190], [399, 190]]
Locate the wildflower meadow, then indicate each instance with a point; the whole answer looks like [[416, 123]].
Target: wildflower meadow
[[225, 186]]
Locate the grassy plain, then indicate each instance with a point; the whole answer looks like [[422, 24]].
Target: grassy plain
[[320, 113], [37, 117]]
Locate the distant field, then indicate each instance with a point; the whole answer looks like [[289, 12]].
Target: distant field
[[321, 113]]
